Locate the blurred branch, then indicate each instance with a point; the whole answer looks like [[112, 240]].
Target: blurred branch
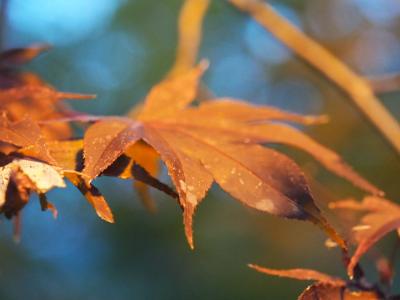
[[356, 87], [384, 83], [190, 25], [190, 33]]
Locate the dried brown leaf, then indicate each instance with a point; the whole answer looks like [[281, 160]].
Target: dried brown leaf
[[323, 291], [25, 176], [381, 217], [25, 95], [25, 133]]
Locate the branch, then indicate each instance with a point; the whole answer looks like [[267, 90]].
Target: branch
[[190, 33], [356, 87]]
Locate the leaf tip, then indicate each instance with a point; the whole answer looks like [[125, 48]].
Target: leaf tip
[[108, 217], [204, 64], [330, 231], [189, 237], [42, 47], [252, 266], [188, 223], [322, 119]]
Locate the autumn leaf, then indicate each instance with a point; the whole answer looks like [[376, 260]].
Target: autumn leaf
[[323, 291], [326, 287], [24, 133], [173, 95], [199, 146], [300, 274], [27, 176], [68, 156], [93, 196], [224, 141], [25, 95], [381, 216], [39, 102]]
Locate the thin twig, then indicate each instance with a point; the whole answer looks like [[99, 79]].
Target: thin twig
[[190, 28], [334, 69], [189, 34]]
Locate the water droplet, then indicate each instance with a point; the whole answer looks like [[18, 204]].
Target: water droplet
[[182, 185], [265, 205], [361, 227], [191, 198]]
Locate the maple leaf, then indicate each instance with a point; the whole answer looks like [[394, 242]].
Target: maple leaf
[[326, 287], [323, 291], [25, 94], [67, 156], [381, 216], [218, 141], [26, 100], [24, 133]]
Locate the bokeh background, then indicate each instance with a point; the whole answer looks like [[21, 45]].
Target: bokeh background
[[118, 49]]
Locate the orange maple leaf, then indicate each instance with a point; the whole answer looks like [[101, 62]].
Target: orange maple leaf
[[218, 141], [381, 216]]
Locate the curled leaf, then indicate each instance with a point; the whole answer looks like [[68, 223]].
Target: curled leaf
[[381, 217], [19, 177]]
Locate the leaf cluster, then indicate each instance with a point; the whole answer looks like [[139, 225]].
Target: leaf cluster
[[217, 140]]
